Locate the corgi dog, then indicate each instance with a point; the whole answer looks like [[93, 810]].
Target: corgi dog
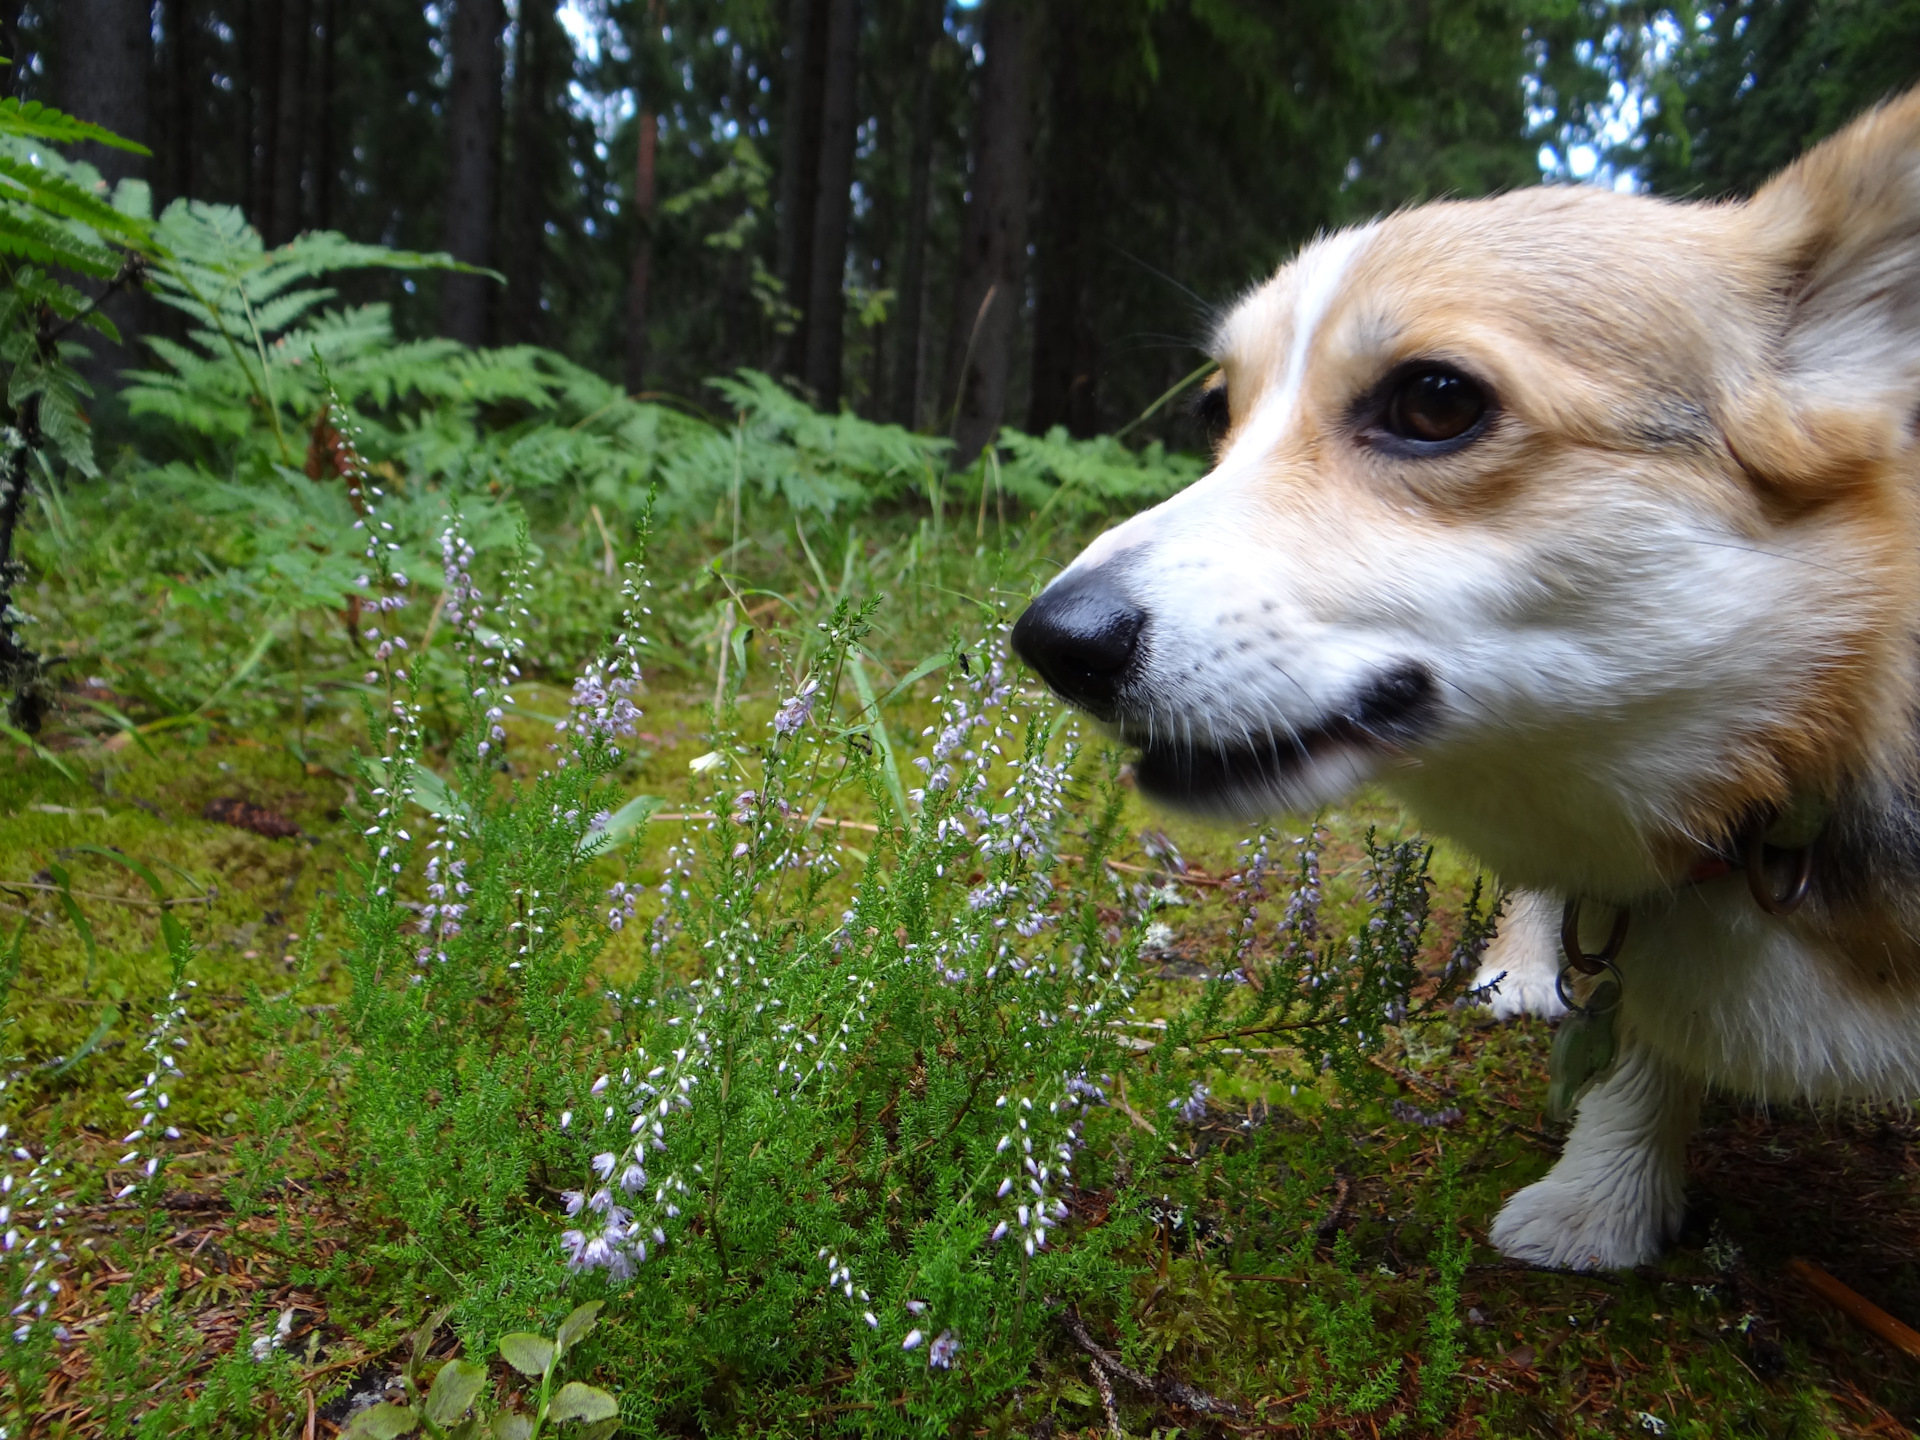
[[1587, 525]]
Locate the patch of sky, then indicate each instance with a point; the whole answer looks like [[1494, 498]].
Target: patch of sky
[[1600, 143]]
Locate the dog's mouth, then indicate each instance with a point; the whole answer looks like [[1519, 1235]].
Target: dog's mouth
[[1272, 768]]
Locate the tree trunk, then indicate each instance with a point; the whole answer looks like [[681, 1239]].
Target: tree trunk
[[993, 245], [178, 29], [639, 283], [1063, 342], [105, 48], [800, 165], [289, 149], [473, 137], [909, 366], [528, 183], [326, 117], [833, 209], [263, 64]]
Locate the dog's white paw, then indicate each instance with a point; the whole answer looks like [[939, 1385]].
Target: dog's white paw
[[1618, 1191], [1522, 962], [1568, 1228]]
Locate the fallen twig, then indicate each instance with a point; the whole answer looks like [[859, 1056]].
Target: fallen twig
[[1330, 1222], [819, 822], [1176, 1392], [1855, 1306], [103, 895]]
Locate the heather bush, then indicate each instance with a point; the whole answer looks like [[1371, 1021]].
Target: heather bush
[[871, 1109]]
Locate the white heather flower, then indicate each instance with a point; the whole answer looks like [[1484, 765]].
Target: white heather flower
[[940, 1354], [797, 709], [914, 1337], [603, 1164], [1194, 1108], [701, 764]]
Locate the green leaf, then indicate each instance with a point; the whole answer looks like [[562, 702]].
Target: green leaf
[[382, 1422], [926, 667], [467, 1429], [455, 1389], [433, 794], [599, 1430], [102, 1029], [529, 1354], [508, 1425], [620, 827], [423, 1337], [80, 922], [576, 1326], [10, 963], [20, 737], [153, 880], [583, 1402]]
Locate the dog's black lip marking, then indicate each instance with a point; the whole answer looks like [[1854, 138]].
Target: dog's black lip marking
[[1391, 710]]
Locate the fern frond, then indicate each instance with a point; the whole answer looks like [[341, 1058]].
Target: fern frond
[[44, 189], [38, 241], [42, 122]]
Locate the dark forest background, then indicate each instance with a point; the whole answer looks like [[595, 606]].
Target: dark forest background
[[1021, 212]]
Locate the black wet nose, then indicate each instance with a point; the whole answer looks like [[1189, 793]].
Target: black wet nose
[[1082, 636]]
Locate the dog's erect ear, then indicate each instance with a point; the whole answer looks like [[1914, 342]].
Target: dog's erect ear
[[1842, 227]]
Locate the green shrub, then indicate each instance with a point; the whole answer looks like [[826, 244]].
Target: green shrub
[[841, 1142]]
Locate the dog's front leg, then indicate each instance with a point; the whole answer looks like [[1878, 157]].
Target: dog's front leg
[[1617, 1192], [1523, 960]]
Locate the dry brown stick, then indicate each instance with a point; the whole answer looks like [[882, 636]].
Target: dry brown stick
[[1175, 1391], [823, 822], [1855, 1306], [1330, 1222], [1107, 1403], [1424, 1086], [103, 895]]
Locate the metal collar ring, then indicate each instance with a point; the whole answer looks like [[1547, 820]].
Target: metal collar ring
[[1574, 1007], [1578, 958]]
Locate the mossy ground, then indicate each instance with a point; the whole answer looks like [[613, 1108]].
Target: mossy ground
[[1281, 1200], [1291, 1268]]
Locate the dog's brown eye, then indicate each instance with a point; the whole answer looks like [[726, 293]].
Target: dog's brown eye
[[1432, 405], [1210, 408]]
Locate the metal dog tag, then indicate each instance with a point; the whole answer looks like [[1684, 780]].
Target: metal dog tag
[[1583, 1050]]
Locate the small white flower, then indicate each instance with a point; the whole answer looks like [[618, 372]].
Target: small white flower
[[914, 1337], [701, 764], [940, 1354]]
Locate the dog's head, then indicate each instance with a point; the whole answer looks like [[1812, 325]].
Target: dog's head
[[1584, 520]]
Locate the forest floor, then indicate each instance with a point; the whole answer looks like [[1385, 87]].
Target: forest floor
[[1719, 1339]]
